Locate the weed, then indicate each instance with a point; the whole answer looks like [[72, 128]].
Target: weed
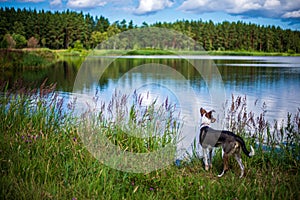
[[42, 155]]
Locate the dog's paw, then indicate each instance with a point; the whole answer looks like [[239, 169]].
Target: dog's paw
[[242, 174], [206, 167]]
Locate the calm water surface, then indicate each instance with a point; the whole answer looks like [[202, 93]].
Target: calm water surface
[[273, 80]]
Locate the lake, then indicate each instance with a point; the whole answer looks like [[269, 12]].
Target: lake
[[273, 80], [190, 82]]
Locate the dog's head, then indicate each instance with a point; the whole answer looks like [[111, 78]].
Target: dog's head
[[207, 117]]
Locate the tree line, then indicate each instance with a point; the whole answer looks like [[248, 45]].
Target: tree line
[[21, 28]]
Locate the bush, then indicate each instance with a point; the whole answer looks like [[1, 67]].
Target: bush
[[78, 46], [8, 42], [20, 41], [32, 42]]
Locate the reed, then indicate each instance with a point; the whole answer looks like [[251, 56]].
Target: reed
[[43, 157]]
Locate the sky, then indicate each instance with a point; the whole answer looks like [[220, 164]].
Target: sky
[[283, 13]]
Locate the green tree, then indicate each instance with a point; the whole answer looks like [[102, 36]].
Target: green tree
[[113, 30], [98, 37], [123, 25], [20, 40], [18, 28], [102, 24], [130, 25]]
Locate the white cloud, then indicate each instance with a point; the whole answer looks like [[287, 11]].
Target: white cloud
[[293, 14], [230, 6], [269, 4], [238, 6], [85, 4], [56, 3], [151, 6], [252, 8]]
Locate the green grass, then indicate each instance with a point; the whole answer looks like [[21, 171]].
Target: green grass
[[150, 52], [43, 157], [147, 52], [26, 58], [212, 53], [36, 58], [251, 53]]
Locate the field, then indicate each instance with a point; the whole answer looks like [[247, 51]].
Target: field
[[42, 155]]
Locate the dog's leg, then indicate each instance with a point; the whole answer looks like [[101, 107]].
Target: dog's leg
[[205, 159], [239, 160], [210, 157], [225, 161]]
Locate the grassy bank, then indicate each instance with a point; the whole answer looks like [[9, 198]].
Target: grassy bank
[[251, 53], [26, 58], [148, 52], [45, 57], [43, 157]]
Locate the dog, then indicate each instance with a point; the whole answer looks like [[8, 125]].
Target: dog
[[231, 143]]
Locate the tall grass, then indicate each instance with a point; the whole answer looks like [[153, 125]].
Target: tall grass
[[279, 140], [42, 155]]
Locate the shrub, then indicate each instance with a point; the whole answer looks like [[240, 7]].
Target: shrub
[[20, 40], [8, 42], [32, 42]]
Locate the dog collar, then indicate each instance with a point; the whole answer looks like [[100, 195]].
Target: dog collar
[[204, 124]]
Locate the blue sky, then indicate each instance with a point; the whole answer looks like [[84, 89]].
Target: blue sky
[[283, 13]]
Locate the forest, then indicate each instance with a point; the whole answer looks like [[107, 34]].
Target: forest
[[26, 28]]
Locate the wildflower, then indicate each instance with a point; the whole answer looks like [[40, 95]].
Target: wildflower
[[151, 189]]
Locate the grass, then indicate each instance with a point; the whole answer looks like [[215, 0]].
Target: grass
[[28, 58], [147, 52], [43, 157], [251, 53], [150, 52], [40, 57]]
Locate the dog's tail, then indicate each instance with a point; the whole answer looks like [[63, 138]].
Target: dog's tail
[[241, 141]]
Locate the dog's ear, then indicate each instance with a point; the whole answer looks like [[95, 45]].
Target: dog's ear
[[202, 112], [209, 114]]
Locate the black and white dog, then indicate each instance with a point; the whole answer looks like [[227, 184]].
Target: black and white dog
[[231, 144]]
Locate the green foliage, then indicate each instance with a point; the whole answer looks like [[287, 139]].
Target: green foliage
[[33, 60], [20, 40], [59, 30], [98, 37], [20, 58], [149, 52], [78, 46]]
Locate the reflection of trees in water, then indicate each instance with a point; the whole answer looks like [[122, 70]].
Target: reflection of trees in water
[[236, 75], [64, 72]]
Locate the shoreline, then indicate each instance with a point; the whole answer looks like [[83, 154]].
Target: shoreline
[[84, 52]]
